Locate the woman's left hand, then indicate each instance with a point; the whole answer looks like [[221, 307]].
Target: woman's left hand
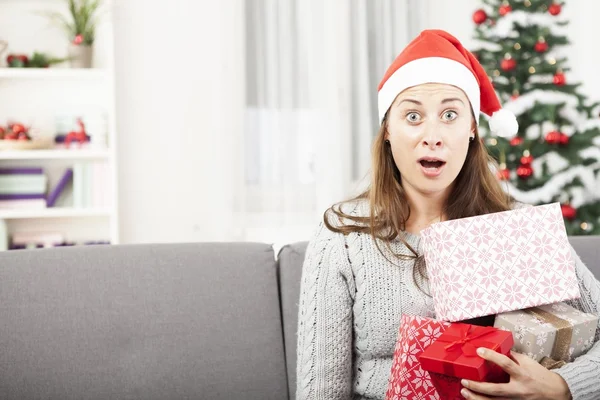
[[528, 380]]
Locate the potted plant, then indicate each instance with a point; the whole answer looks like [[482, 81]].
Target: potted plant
[[80, 26]]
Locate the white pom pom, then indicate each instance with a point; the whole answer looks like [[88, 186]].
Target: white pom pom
[[503, 123]]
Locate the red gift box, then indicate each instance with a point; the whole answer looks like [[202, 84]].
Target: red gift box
[[454, 353]]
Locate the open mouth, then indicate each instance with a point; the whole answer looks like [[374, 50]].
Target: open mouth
[[434, 164]]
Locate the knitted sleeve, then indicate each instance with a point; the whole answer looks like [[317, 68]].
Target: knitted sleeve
[[583, 374], [324, 363]]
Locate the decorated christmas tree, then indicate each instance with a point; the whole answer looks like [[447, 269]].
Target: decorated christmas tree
[[555, 157]]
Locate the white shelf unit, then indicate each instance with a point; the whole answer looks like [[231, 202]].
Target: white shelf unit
[[35, 96]]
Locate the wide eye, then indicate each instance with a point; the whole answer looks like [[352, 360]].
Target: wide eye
[[450, 115], [413, 117]]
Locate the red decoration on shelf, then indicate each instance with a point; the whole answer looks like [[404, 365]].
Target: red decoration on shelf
[[524, 171], [79, 136], [568, 211], [555, 9], [563, 140], [78, 40], [503, 174], [505, 9], [508, 64], [479, 17], [516, 141], [559, 79], [541, 46]]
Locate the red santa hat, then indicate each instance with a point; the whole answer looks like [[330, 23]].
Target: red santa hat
[[435, 56]]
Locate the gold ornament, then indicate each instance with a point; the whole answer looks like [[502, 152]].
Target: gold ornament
[[513, 79], [585, 226], [527, 3], [552, 61], [492, 142], [532, 70], [517, 46], [496, 72]]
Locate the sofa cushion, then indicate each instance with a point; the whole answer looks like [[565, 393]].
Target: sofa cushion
[[588, 249], [291, 258], [181, 321]]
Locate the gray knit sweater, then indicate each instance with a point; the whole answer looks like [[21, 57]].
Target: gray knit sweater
[[351, 301]]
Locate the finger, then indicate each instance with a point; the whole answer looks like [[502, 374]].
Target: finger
[[519, 358], [467, 394], [508, 365], [494, 389]]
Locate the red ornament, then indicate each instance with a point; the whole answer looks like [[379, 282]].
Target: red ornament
[[568, 212], [503, 10], [559, 79], [78, 40], [524, 171], [541, 47], [508, 64], [526, 160], [479, 17], [516, 141], [503, 174], [553, 137], [563, 140], [555, 9]]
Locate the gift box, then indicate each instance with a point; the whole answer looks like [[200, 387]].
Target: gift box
[[499, 262], [407, 379], [551, 334], [454, 353]]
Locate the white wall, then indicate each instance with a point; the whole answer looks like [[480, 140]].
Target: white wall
[[179, 76], [180, 94]]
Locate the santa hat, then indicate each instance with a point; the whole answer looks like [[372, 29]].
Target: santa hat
[[435, 56]]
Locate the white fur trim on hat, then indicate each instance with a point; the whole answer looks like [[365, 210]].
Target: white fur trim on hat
[[429, 70], [503, 123]]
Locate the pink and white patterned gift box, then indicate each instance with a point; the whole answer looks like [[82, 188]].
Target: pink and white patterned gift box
[[499, 262]]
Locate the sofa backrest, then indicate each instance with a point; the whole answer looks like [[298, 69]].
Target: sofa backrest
[[172, 321], [290, 270]]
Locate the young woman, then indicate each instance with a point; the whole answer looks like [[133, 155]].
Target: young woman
[[364, 267]]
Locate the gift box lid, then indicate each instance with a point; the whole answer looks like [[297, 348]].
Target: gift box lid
[[454, 352]]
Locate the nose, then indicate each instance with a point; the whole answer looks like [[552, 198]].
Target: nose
[[432, 138]]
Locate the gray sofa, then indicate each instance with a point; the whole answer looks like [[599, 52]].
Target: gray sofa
[[184, 321]]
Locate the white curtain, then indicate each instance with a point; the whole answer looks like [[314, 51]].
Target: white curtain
[[312, 69]]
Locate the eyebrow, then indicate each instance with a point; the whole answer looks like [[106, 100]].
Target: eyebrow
[[449, 100]]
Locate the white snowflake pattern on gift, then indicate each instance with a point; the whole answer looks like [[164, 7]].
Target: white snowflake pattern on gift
[[451, 282], [503, 251], [543, 245], [553, 286], [579, 342], [465, 257], [576, 331], [482, 235], [529, 269], [587, 345], [475, 299], [514, 295], [409, 354], [445, 244], [559, 307], [520, 229], [430, 335], [520, 333], [488, 275], [530, 355], [421, 379], [541, 338], [564, 262]]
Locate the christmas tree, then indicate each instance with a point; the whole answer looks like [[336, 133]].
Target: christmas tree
[[555, 157]]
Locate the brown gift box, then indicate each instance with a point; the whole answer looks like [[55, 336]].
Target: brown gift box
[[551, 334]]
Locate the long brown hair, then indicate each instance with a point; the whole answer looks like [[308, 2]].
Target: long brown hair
[[476, 191]]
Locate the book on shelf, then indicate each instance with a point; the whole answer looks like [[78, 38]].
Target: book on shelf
[[22, 181], [22, 204], [59, 189]]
